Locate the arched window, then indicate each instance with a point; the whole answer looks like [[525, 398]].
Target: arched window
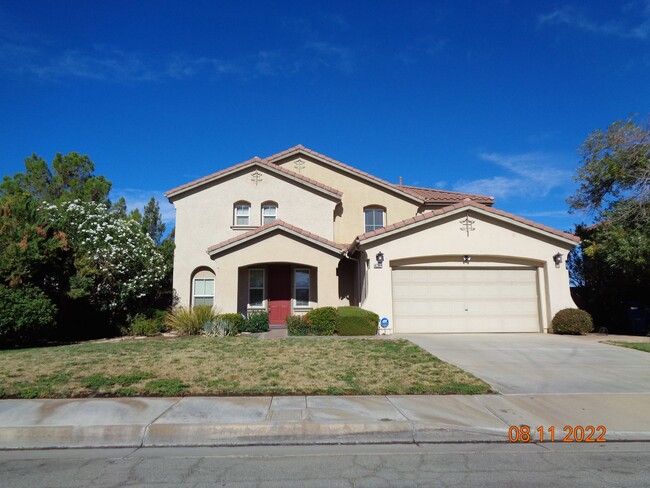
[[203, 288], [242, 213], [374, 217], [269, 212]]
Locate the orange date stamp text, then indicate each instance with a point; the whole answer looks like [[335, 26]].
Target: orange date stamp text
[[569, 433]]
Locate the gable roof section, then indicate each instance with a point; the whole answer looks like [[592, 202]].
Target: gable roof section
[[456, 208], [283, 227], [262, 164], [420, 195]]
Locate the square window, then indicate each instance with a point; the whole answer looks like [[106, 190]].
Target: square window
[[373, 219], [269, 214], [242, 214], [203, 291]]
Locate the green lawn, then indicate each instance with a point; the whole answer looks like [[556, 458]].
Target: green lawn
[[641, 346], [230, 366]]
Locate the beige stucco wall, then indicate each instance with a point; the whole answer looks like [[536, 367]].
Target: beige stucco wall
[[492, 243], [278, 248], [357, 194], [205, 217]]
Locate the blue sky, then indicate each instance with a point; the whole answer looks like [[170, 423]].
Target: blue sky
[[489, 97]]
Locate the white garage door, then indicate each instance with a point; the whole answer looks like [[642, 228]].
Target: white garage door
[[465, 300]]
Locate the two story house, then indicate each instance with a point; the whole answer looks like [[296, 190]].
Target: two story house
[[299, 230]]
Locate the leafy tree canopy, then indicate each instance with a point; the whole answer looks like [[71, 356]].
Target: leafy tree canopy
[[615, 173], [71, 178], [613, 261]]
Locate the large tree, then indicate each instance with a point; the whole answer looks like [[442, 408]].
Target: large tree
[[613, 261], [152, 222], [66, 253], [71, 178], [615, 173]]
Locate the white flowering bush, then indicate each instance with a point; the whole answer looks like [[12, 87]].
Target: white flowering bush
[[116, 263]]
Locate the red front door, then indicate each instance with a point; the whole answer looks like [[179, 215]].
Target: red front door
[[279, 294]]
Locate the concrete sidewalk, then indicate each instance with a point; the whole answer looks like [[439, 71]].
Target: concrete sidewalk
[[232, 421]]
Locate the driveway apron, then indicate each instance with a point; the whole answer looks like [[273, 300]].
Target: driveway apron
[[541, 363]]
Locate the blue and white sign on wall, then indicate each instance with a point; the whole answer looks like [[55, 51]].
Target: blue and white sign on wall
[[384, 322]]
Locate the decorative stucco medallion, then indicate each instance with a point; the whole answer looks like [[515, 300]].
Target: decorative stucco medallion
[[299, 164], [256, 177], [468, 225]]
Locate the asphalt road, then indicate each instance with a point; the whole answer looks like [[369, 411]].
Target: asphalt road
[[543, 363], [482, 465]]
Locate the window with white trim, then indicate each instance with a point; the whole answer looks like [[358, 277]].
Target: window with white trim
[[242, 214], [256, 288], [301, 285], [373, 218], [269, 212], [203, 291]]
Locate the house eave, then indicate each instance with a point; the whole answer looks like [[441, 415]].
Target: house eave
[[258, 163], [465, 208]]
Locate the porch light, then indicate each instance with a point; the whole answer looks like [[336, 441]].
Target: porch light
[[380, 258], [557, 259], [466, 259]]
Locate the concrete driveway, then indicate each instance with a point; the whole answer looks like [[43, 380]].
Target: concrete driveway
[[540, 363]]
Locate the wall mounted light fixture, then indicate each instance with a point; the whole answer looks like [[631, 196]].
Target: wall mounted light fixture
[[557, 259], [466, 259], [380, 260]]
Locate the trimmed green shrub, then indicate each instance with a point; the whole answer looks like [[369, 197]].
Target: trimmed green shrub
[[572, 321], [256, 322], [235, 320], [26, 314], [322, 320], [192, 321], [143, 326], [298, 326], [354, 321]]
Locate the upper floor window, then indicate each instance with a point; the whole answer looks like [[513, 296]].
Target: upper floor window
[[374, 218], [242, 213], [269, 212]]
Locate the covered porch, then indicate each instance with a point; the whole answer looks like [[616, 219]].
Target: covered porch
[[279, 270]]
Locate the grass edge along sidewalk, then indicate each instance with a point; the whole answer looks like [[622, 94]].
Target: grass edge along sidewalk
[[230, 367]]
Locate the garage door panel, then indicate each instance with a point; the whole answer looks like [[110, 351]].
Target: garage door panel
[[465, 300]]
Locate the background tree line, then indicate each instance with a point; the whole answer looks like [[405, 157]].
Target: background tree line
[[73, 265]]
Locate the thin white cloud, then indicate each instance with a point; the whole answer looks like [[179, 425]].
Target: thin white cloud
[[497, 187], [26, 54], [101, 63], [635, 26], [548, 213], [424, 48], [137, 198], [330, 55], [528, 174]]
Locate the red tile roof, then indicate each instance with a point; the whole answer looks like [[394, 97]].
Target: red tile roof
[[256, 161], [272, 225], [465, 203], [424, 195], [444, 196]]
